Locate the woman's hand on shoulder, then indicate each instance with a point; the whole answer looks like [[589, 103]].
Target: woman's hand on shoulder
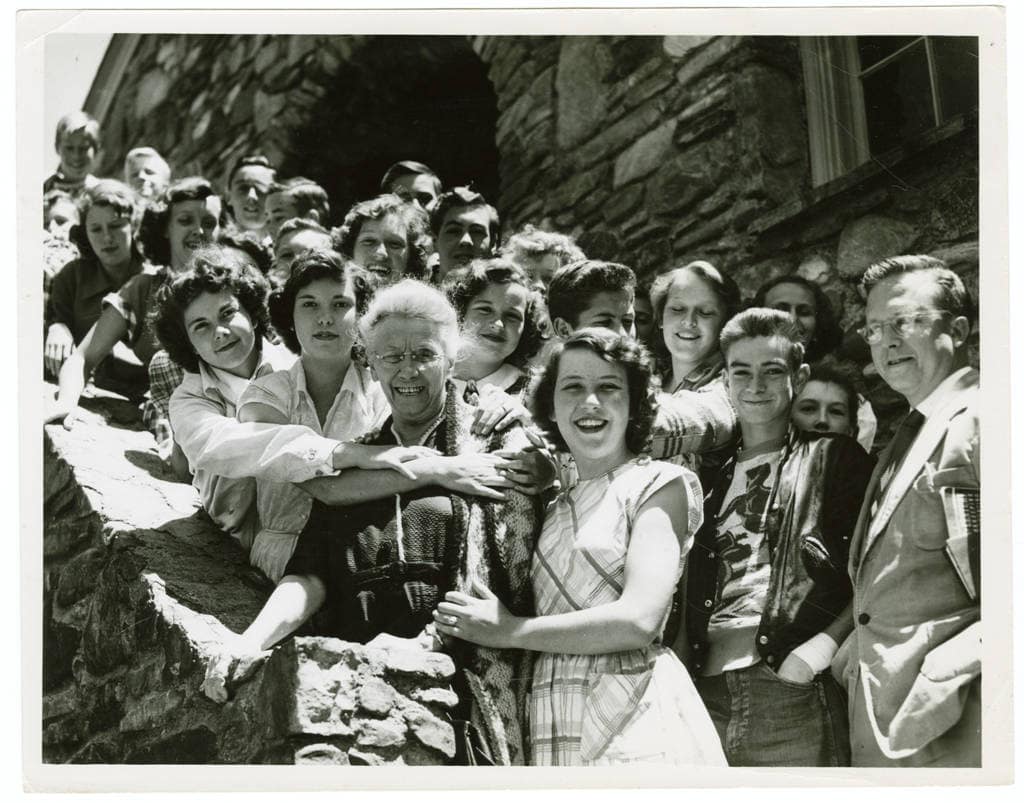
[[480, 619]]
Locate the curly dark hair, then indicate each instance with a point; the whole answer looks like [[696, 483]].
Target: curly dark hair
[[611, 347], [153, 230], [827, 333], [211, 269], [722, 285], [308, 268], [251, 245], [118, 196], [481, 273], [417, 230]]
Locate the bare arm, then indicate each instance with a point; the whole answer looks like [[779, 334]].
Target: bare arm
[[78, 367], [475, 474], [296, 598], [630, 622]]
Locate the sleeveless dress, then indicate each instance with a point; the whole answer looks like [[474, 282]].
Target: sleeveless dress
[[630, 706]]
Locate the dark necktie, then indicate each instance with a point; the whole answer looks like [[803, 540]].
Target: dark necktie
[[901, 441]]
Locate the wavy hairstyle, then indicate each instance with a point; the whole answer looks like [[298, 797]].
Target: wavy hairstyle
[[153, 231], [763, 322], [613, 348], [417, 230], [827, 333], [477, 277], [118, 196], [308, 268], [210, 269]]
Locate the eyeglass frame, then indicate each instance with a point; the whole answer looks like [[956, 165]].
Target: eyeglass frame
[[893, 323], [396, 358]]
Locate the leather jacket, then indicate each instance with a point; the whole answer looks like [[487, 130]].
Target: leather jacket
[[812, 511]]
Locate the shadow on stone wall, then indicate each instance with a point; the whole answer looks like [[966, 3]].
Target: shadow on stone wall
[[140, 591]]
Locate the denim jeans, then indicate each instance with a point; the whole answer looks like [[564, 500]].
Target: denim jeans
[[765, 721]]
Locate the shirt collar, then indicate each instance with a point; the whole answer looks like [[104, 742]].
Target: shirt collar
[[272, 358], [931, 403], [354, 383], [502, 379]]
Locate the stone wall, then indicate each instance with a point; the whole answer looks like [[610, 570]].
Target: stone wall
[[140, 590], [651, 150]]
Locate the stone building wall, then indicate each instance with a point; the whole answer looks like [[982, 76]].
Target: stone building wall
[[140, 592], [651, 150]]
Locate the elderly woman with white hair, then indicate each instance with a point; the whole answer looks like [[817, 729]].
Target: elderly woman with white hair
[[380, 549]]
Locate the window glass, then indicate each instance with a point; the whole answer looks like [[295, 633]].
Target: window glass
[[956, 62], [898, 100], [873, 49]]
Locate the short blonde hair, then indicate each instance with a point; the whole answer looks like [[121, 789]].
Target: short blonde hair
[[411, 298]]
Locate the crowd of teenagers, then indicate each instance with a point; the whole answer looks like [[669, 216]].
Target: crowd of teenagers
[[644, 518]]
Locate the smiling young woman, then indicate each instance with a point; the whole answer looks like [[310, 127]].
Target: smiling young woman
[[604, 690]]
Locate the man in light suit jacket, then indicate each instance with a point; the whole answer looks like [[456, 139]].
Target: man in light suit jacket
[[912, 665]]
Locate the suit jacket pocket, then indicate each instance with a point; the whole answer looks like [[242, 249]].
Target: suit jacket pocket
[[929, 522]]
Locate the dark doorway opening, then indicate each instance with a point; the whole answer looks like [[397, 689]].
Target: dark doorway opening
[[425, 98]]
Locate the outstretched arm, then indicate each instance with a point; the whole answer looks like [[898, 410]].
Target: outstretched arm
[[474, 474], [296, 598]]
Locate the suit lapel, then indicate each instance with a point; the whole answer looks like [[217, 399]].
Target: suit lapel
[[930, 436]]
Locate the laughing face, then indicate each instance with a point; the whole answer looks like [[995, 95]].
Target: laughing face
[[691, 321], [495, 319], [591, 410], [221, 332], [407, 357], [382, 247], [191, 225]]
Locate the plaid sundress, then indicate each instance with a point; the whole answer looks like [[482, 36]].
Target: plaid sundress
[[636, 705]]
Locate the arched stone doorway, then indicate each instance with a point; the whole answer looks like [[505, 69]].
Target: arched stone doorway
[[400, 97]]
